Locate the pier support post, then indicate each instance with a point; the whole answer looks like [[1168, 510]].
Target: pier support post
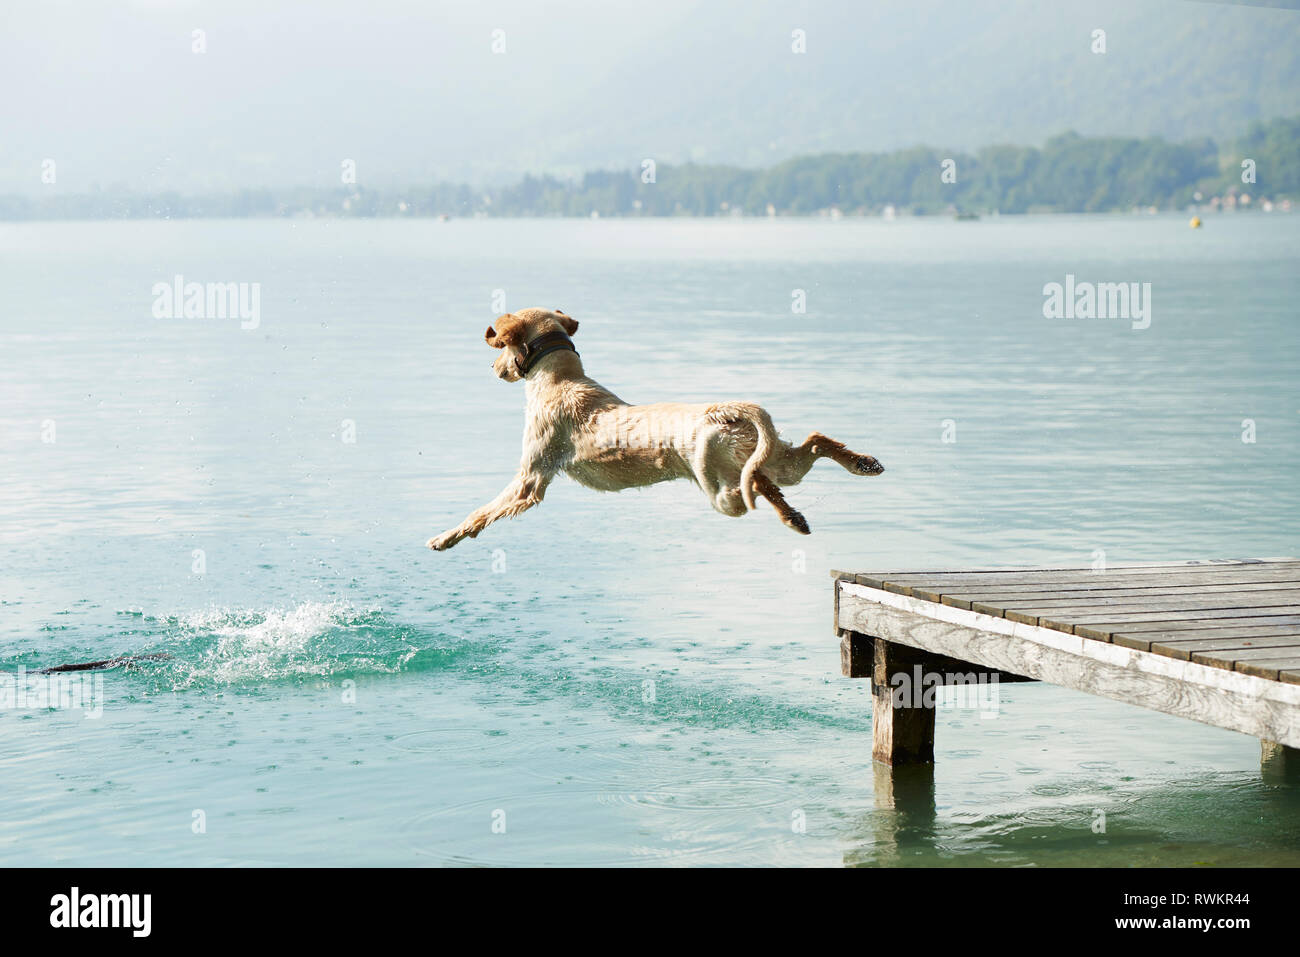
[[1278, 763], [902, 722], [903, 710]]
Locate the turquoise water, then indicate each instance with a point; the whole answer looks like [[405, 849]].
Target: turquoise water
[[611, 679]]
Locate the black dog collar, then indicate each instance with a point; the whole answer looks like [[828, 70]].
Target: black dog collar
[[544, 345]]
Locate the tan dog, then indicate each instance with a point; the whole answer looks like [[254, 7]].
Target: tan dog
[[576, 426]]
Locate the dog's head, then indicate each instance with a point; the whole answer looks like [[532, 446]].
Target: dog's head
[[512, 332]]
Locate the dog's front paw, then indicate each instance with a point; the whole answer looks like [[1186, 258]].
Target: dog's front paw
[[443, 542]]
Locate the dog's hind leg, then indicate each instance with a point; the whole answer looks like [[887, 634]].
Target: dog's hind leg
[[794, 464], [717, 475], [789, 515]]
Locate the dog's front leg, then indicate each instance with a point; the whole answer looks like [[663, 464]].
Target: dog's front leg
[[527, 490]]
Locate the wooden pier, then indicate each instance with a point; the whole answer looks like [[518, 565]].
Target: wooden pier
[[1214, 641]]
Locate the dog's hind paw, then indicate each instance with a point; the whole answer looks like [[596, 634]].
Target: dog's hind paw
[[866, 465], [796, 521]]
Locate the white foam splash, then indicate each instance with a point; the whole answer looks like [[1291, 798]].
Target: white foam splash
[[311, 638], [284, 630]]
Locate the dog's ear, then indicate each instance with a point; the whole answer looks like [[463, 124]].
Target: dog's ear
[[570, 325], [508, 335]]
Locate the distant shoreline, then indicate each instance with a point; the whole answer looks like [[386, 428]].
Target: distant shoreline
[[1068, 174], [1177, 214]]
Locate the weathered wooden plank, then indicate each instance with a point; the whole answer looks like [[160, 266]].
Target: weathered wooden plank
[[977, 591], [1019, 599], [1082, 582], [1087, 609], [1152, 596], [1289, 675], [1267, 667], [1067, 575], [1185, 649], [1155, 602], [837, 577], [1188, 573], [1140, 629], [1229, 657], [1105, 627], [1108, 582], [1143, 640], [1067, 618], [1135, 567], [1101, 625], [1257, 652], [964, 597], [857, 660], [1229, 699], [1280, 633], [1102, 584]]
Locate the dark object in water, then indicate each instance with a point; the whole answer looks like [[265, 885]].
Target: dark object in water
[[122, 661]]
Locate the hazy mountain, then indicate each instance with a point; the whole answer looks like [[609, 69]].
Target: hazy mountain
[[413, 92]]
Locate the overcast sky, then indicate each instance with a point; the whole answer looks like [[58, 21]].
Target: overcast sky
[[413, 91]]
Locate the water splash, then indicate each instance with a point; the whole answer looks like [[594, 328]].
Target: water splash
[[310, 640]]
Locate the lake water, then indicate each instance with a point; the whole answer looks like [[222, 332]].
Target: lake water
[[611, 679]]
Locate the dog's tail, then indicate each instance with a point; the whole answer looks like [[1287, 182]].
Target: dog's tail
[[756, 416], [121, 661]]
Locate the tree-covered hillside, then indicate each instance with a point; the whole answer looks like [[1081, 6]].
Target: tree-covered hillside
[[1069, 173]]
